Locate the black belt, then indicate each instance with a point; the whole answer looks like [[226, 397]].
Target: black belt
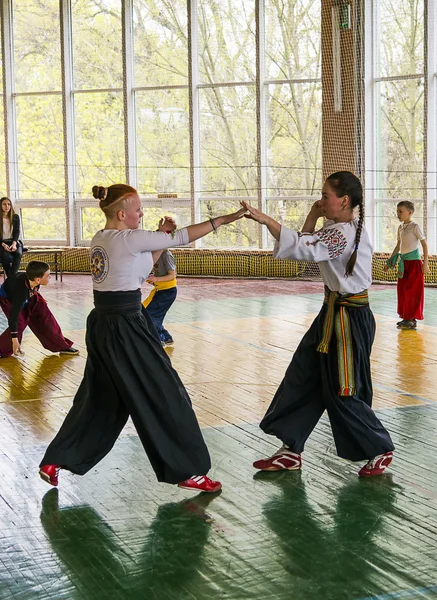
[[120, 300]]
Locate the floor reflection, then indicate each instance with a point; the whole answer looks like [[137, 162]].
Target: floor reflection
[[328, 548], [102, 564]]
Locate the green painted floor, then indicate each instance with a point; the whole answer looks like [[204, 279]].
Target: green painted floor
[[318, 534], [321, 534]]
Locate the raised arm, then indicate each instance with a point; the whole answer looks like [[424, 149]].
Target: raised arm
[[256, 215], [321, 246], [313, 216], [196, 232], [139, 240]]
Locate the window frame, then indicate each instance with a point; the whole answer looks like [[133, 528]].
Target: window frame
[[73, 202]]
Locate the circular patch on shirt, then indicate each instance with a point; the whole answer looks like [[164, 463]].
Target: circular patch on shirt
[[99, 264]]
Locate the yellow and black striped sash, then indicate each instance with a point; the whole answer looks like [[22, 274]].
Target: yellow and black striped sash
[[340, 319]]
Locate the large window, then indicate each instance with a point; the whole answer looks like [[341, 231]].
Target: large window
[[197, 111], [97, 119], [160, 98], [2, 130], [227, 114], [293, 101], [38, 174], [400, 103], [200, 110]]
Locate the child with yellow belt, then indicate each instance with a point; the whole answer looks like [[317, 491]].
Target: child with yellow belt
[[164, 293]]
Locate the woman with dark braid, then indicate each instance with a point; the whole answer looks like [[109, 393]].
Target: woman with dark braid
[[330, 369]]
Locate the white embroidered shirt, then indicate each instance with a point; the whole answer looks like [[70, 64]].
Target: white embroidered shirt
[[331, 247]]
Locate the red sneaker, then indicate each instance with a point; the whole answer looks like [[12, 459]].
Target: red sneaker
[[50, 473], [377, 465], [282, 460], [200, 483]]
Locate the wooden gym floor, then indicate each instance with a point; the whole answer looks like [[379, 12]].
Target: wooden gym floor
[[321, 534]]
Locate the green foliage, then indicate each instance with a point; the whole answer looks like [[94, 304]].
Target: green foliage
[[227, 114], [400, 114], [163, 143], [227, 119], [43, 224]]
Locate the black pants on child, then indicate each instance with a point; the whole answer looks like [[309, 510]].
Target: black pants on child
[[159, 307]]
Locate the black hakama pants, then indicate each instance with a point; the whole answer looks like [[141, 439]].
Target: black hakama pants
[[311, 386], [128, 373]]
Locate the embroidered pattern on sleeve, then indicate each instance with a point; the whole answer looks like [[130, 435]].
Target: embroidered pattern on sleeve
[[334, 240]]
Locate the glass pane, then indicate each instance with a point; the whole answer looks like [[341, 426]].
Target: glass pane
[[44, 224], [1, 59], [291, 212], [387, 223], [92, 219], [293, 39], [161, 42], [37, 46], [228, 141], [97, 44], [401, 37], [2, 128], [40, 147], [163, 142], [227, 50], [100, 154], [241, 234], [400, 139], [294, 127], [2, 153], [152, 216]]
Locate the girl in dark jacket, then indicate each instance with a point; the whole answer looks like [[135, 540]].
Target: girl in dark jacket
[[11, 246]]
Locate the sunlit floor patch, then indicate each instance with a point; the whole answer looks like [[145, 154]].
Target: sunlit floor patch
[[318, 534]]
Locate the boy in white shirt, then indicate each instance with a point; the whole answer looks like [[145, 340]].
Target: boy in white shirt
[[411, 270]]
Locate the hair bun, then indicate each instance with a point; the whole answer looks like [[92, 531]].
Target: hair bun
[[99, 192]]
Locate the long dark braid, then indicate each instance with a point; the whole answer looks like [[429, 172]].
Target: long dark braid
[[345, 183], [353, 259]]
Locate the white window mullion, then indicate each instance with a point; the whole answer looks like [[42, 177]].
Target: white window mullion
[[261, 116], [129, 94], [193, 73], [73, 225], [371, 120], [359, 92], [431, 133], [9, 102]]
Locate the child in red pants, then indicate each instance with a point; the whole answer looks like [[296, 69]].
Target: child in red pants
[[411, 270], [23, 305]]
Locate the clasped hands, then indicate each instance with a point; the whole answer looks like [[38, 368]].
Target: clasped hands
[[11, 248], [317, 211]]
